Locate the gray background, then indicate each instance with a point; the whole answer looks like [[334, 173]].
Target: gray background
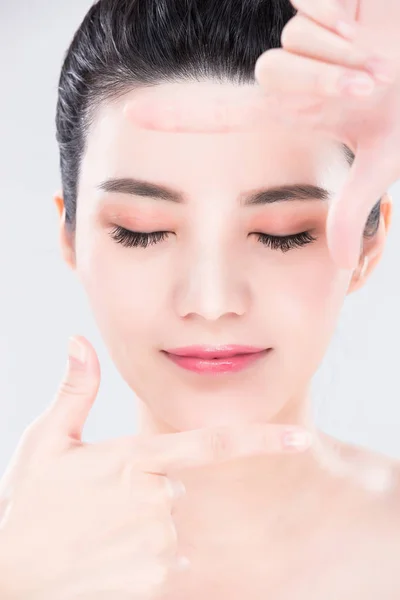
[[356, 390]]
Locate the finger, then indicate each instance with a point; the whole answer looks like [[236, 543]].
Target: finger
[[158, 454], [5, 501], [279, 71], [153, 488], [304, 37], [349, 211], [331, 15], [232, 114], [67, 414]]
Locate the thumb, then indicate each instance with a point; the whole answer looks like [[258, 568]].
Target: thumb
[[348, 214], [77, 392]]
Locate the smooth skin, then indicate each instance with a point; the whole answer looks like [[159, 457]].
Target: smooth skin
[[310, 82], [286, 526], [93, 521], [311, 526], [316, 60]]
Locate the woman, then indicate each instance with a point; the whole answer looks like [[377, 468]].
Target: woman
[[209, 240]]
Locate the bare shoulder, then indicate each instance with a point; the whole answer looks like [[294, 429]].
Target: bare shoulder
[[373, 484], [374, 517], [377, 477], [379, 472], [381, 534]]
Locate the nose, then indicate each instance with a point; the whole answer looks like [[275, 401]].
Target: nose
[[212, 286]]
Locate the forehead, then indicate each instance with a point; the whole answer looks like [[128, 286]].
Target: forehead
[[220, 149]]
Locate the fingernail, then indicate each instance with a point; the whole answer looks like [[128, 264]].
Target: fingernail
[[358, 84], [76, 351], [297, 439], [381, 69], [346, 29]]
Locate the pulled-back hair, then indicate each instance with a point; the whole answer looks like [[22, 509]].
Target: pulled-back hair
[[125, 44]]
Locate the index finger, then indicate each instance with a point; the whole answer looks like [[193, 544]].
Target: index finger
[[201, 447], [330, 14], [218, 114]]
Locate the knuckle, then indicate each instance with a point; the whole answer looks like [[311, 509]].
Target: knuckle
[[220, 443], [273, 58], [266, 438], [70, 388], [291, 33], [268, 62]]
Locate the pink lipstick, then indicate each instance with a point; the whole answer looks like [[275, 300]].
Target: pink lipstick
[[215, 359]]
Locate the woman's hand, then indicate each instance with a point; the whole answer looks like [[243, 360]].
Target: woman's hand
[[310, 78], [93, 521], [312, 73]]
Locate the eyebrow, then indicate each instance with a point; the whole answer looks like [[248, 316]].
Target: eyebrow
[[284, 193]]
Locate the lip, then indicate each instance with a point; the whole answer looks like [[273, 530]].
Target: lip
[[209, 352], [230, 362]]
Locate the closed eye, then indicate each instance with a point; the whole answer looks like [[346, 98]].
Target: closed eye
[[134, 239], [286, 242]]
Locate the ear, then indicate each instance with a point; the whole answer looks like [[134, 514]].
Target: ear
[[67, 239], [373, 248]]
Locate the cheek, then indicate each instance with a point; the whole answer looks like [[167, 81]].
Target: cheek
[[123, 291], [310, 300]]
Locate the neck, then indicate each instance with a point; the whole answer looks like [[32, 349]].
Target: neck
[[296, 411]]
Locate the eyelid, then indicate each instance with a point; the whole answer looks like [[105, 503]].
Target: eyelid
[[296, 232], [311, 231], [133, 239]]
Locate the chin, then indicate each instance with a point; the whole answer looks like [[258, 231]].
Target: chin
[[200, 419]]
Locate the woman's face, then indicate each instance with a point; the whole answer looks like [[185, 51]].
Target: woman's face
[[209, 280]]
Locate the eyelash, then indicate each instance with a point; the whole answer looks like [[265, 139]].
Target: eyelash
[[133, 239]]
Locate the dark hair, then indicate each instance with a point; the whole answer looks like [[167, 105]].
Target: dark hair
[[123, 44]]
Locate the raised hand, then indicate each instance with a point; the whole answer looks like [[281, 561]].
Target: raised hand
[[317, 70], [338, 72], [93, 521]]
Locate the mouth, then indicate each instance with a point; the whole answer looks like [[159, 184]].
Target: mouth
[[211, 361], [215, 352]]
